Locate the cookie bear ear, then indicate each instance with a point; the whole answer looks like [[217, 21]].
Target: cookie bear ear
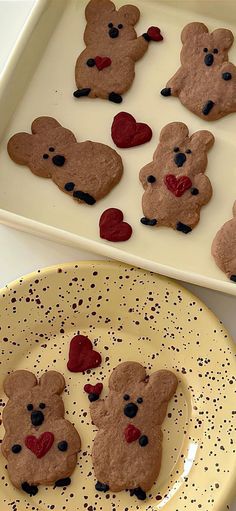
[[97, 8], [20, 147], [126, 375], [163, 384], [130, 13], [42, 124], [52, 382], [223, 38], [173, 133], [203, 137], [19, 382], [193, 29]]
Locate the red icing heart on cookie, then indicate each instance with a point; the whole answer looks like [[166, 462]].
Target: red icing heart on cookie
[[131, 433], [112, 227], [82, 355], [155, 34], [126, 132], [177, 185], [102, 62], [93, 389], [41, 445]]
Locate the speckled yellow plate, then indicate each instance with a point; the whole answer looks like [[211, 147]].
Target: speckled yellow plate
[[129, 314]]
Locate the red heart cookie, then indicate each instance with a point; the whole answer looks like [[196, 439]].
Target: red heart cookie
[[93, 389], [102, 62], [177, 185], [155, 34], [41, 445], [131, 433], [81, 355], [126, 132], [112, 227]]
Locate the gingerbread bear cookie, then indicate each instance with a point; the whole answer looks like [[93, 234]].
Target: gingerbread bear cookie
[[105, 69], [174, 182], [224, 247], [127, 449], [85, 170], [40, 445], [206, 82]]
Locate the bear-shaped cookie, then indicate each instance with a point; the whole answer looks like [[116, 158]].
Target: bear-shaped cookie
[[206, 82], [174, 182], [127, 448], [224, 247], [85, 170], [105, 69], [40, 445]]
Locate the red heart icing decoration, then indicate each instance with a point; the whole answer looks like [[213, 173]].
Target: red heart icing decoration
[[126, 132], [41, 445], [155, 34], [81, 355], [93, 389], [177, 185], [131, 433], [112, 227], [102, 62]]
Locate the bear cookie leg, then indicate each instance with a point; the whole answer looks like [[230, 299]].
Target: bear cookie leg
[[101, 486], [115, 98], [183, 228], [139, 493], [62, 482], [79, 93], [31, 489], [148, 221]]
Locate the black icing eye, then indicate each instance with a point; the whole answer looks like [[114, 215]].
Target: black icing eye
[[110, 25], [45, 156], [120, 25], [205, 50], [176, 149], [215, 50], [42, 405], [51, 149], [30, 407], [139, 400], [188, 151], [126, 397]]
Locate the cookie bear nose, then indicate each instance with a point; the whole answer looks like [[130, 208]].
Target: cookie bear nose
[[130, 410], [37, 418], [209, 59], [58, 160], [113, 32], [179, 159]]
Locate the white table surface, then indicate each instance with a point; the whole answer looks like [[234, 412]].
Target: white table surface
[[21, 253]]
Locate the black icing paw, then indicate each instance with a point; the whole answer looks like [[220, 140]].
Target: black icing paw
[[85, 197], [139, 493], [115, 98], [101, 487], [147, 221], [62, 482], [146, 37], [166, 92], [183, 228], [233, 278], [30, 489], [81, 92]]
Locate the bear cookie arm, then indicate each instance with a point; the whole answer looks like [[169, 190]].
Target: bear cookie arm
[[128, 445], [40, 445], [224, 247]]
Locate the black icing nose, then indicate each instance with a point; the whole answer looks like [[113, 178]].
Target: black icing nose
[[209, 59], [179, 159], [37, 418], [113, 32], [130, 410], [58, 160]]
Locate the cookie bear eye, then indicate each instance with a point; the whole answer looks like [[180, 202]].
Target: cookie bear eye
[[176, 149], [126, 397], [30, 407], [42, 405], [188, 151], [120, 25], [51, 149], [45, 156], [139, 400], [205, 50], [215, 50], [110, 25]]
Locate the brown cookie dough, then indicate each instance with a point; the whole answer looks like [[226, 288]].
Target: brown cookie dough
[[206, 82], [224, 247], [174, 182], [128, 446], [39, 444], [85, 170], [105, 69]]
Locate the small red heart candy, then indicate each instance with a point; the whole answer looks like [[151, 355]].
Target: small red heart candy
[[126, 132], [102, 62], [131, 433], [112, 227], [93, 389], [82, 355], [155, 34], [41, 445], [177, 185]]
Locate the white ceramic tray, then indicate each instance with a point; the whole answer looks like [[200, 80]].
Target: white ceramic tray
[[39, 80]]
